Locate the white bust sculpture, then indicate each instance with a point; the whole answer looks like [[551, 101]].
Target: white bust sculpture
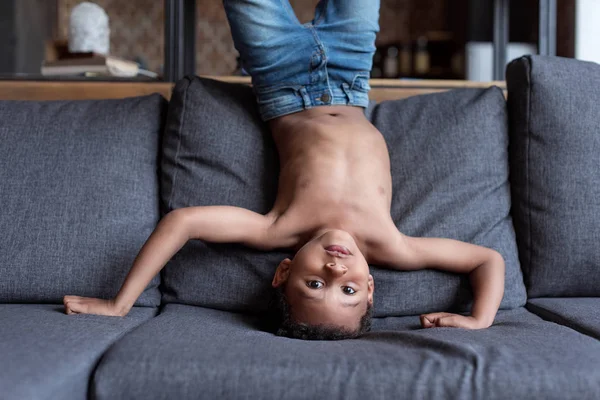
[[88, 29]]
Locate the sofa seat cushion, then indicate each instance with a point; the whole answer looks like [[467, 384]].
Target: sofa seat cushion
[[554, 106], [449, 166], [579, 313], [46, 354], [78, 195], [189, 352]]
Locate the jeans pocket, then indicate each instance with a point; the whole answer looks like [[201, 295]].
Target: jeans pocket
[[267, 91], [277, 94], [361, 82]]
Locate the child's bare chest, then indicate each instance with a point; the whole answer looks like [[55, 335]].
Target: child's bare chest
[[337, 184]]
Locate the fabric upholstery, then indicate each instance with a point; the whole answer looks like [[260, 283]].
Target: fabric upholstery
[[555, 142], [78, 195], [189, 352], [579, 313], [46, 354], [449, 166], [449, 161]]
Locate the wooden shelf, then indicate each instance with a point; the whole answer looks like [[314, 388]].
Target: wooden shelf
[[73, 90], [382, 89], [396, 83]]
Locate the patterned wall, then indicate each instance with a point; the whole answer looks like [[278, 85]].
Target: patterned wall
[[137, 28]]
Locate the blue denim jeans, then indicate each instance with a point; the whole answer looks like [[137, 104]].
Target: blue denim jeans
[[298, 66]]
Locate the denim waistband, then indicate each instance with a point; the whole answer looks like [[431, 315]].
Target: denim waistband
[[288, 99]]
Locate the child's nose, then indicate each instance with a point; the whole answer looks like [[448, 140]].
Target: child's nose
[[337, 269]]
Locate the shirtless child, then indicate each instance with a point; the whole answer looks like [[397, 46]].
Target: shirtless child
[[334, 195]]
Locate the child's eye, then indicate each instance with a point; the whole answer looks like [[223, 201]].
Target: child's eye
[[314, 284], [348, 290]]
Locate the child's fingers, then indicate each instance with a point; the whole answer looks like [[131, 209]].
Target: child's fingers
[[89, 305], [430, 320], [66, 300], [457, 321], [70, 299], [70, 311], [73, 305], [452, 321]]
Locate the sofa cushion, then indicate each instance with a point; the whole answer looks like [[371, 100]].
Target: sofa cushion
[[46, 354], [450, 174], [449, 161], [189, 352], [555, 142], [79, 195], [579, 313]]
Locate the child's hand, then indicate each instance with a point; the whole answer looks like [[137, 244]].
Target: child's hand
[[448, 320], [88, 305]]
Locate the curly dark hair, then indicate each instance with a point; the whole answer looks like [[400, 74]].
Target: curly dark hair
[[280, 311]]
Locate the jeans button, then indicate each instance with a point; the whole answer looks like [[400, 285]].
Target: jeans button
[[326, 98]]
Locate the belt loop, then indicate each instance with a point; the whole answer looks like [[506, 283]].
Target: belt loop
[[305, 98], [348, 92]]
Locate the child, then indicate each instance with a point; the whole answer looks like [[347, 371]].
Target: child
[[334, 195]]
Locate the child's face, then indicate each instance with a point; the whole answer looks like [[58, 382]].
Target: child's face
[[327, 282]]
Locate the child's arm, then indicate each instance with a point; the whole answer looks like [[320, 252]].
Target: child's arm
[[212, 224], [484, 266]]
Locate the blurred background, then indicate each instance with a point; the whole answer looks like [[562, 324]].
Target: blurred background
[[418, 39]]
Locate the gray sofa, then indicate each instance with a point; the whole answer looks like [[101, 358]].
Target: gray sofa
[[83, 183]]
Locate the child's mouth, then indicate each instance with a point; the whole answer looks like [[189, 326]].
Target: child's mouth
[[338, 250]]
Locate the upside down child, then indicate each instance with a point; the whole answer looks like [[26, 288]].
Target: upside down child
[[334, 193]]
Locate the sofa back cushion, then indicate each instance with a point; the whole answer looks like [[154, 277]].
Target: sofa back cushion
[[78, 195], [555, 173], [450, 175]]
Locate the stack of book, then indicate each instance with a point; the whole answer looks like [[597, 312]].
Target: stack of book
[[92, 64]]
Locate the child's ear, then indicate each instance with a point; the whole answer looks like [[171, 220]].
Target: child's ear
[[370, 289], [281, 273]]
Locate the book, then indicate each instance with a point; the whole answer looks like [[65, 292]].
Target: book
[[96, 64]]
